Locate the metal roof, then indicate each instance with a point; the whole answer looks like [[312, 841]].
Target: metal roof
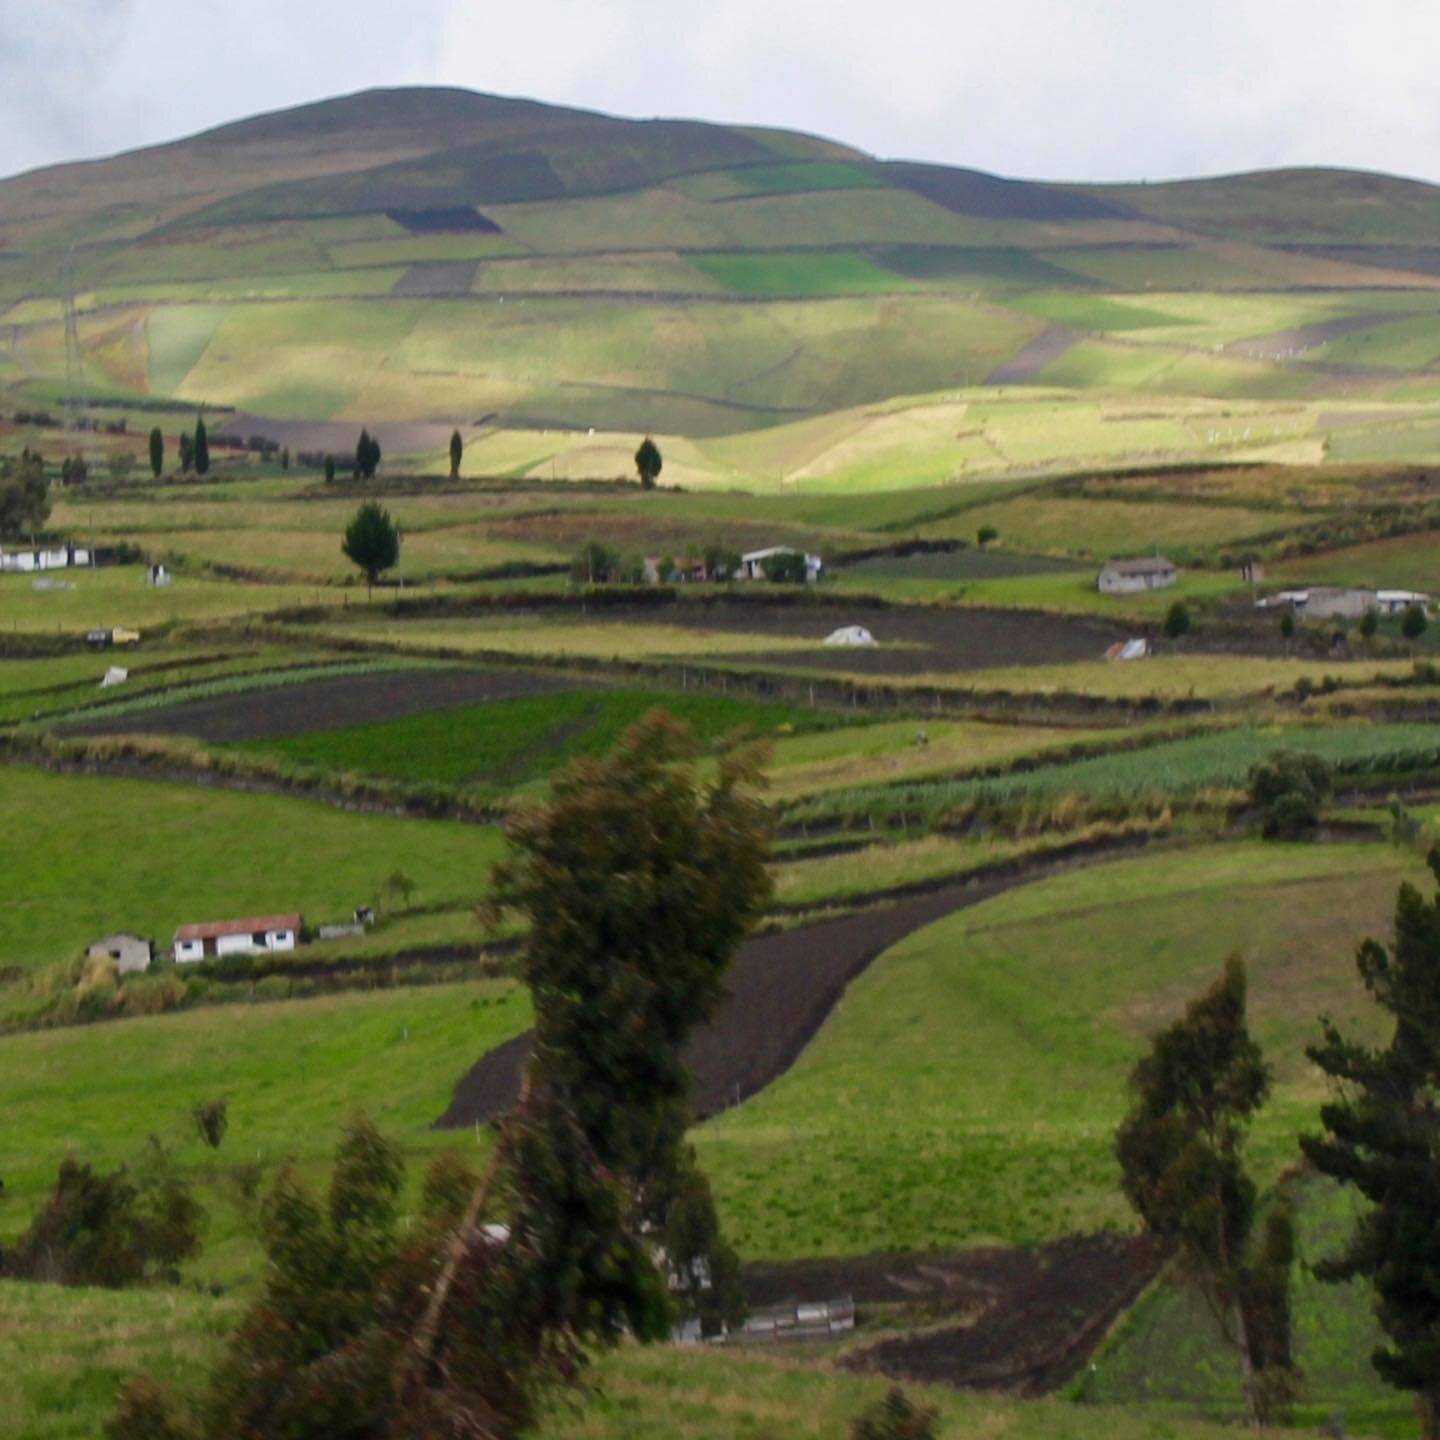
[[255, 925]]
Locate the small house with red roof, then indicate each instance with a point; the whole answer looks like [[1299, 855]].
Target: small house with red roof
[[255, 935]]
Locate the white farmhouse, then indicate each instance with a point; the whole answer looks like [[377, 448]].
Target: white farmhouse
[[254, 936], [1131, 577], [55, 557], [752, 566]]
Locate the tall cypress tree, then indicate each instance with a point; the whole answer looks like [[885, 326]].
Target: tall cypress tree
[[1383, 1137], [202, 446], [457, 449], [157, 452]]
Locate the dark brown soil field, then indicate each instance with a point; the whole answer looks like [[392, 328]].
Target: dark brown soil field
[[1031, 1318], [1022, 367], [298, 709], [933, 640], [782, 986]]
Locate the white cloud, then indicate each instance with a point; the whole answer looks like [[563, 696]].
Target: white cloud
[[1069, 89]]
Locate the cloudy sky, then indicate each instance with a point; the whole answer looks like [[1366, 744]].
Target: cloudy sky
[[1060, 89]]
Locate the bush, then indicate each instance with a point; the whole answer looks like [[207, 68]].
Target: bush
[[1177, 620], [1287, 791], [896, 1417], [785, 569], [1412, 627], [113, 1230]]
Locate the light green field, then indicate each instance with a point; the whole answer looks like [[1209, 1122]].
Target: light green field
[[1049, 524], [119, 596], [156, 856], [1092, 312], [291, 1071], [967, 1087], [1408, 562], [823, 273]]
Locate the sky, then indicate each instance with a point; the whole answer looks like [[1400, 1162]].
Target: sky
[[1046, 89]]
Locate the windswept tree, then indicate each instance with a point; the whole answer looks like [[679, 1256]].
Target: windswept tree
[[457, 451], [1382, 1136], [157, 452], [202, 447], [372, 541], [1181, 1153], [648, 463], [638, 879]]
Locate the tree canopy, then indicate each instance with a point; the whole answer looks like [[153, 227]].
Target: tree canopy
[[372, 540], [1182, 1169], [24, 495], [1382, 1136], [648, 462]]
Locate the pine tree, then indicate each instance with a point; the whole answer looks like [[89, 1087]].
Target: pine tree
[[157, 452], [372, 541], [186, 448], [457, 450], [1383, 1138]]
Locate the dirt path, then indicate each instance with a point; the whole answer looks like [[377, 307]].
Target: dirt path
[[781, 989], [1023, 367]]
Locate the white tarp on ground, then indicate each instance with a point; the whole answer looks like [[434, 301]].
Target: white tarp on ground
[[1129, 650], [115, 675], [851, 635]]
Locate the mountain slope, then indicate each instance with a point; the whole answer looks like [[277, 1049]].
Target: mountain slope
[[438, 255]]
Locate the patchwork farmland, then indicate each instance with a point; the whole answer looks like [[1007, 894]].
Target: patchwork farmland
[[1001, 856]]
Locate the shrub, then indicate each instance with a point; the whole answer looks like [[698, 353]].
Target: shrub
[[111, 1230], [211, 1117], [896, 1417], [1287, 791], [1177, 620], [1412, 627]]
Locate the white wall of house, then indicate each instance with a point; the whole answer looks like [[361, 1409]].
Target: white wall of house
[[187, 951], [1116, 582]]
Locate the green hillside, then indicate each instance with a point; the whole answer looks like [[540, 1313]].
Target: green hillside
[[441, 256]]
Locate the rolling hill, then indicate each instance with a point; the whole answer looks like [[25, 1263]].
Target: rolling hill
[[442, 256]]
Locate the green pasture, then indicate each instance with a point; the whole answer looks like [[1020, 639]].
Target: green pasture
[[68, 1351], [290, 1072], [511, 742], [967, 1087], [1103, 528], [795, 177], [104, 598], [105, 854], [1091, 312], [1407, 562], [820, 273]]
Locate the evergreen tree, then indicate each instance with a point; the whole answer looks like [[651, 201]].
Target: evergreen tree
[[202, 447], [648, 462], [329, 469], [24, 495], [186, 448], [157, 452], [1177, 620], [367, 455], [372, 541], [1182, 1169], [1382, 1136], [457, 450], [1412, 626]]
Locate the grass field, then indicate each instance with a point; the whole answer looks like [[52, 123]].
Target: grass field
[[155, 856], [968, 1085], [73, 1347], [508, 743], [290, 1072]]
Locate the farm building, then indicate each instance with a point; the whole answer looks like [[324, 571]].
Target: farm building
[[752, 566], [51, 557], [1130, 577], [1344, 602], [130, 953], [256, 935]]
